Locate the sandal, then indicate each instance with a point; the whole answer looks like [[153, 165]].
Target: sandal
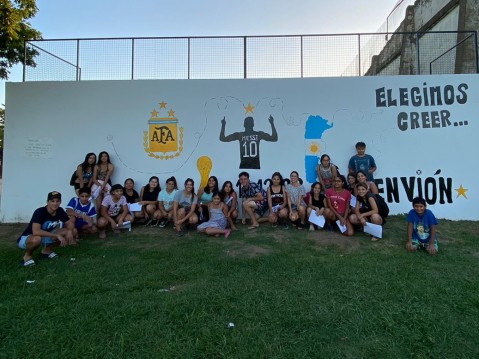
[[51, 255], [29, 263], [227, 233], [253, 227]]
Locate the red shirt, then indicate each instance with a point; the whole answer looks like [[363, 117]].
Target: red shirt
[[339, 200]]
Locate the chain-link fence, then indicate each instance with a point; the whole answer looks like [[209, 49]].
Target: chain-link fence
[[442, 52]]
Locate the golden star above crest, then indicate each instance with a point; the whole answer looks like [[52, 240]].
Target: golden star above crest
[[162, 104], [248, 108], [171, 113], [461, 191], [154, 114]]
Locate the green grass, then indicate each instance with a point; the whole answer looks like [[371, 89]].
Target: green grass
[[290, 294]]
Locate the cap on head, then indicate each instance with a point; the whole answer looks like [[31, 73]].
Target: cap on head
[[53, 195]]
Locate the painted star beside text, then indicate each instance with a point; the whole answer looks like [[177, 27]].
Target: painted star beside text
[[154, 114], [162, 104], [249, 108], [171, 113], [461, 191]]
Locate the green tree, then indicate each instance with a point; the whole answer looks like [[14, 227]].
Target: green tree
[[14, 30]]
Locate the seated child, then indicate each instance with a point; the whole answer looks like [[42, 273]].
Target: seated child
[[131, 196], [217, 222], [230, 198], [366, 208], [421, 228], [113, 211], [277, 201], [164, 213], [338, 199], [83, 210], [316, 202], [49, 227]]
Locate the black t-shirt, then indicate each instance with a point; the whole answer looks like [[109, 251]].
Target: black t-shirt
[[364, 205], [47, 221], [132, 198]]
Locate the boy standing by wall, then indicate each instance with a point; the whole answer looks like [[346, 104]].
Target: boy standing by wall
[[362, 161], [421, 228]]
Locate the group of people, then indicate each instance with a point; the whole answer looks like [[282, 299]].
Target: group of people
[[348, 203]]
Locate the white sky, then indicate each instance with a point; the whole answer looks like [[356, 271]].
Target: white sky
[[58, 19]]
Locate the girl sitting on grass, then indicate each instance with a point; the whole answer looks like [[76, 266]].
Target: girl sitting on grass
[[366, 209], [230, 198], [277, 201], [113, 211], [361, 177], [296, 204], [316, 202], [338, 199], [165, 202], [149, 200], [217, 218], [184, 206]]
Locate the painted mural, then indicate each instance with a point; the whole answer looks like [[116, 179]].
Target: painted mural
[[420, 131]]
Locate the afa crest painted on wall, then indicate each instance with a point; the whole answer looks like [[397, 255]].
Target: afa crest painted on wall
[[164, 136]]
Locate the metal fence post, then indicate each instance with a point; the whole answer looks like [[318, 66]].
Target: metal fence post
[[244, 58], [418, 57], [132, 58], [475, 51], [78, 60], [189, 52], [359, 54], [24, 59], [301, 38]]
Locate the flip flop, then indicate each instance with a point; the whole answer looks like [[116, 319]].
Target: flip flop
[[51, 255], [29, 263], [227, 233], [253, 227]]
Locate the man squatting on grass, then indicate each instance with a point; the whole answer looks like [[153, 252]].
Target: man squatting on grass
[[421, 228], [49, 227]]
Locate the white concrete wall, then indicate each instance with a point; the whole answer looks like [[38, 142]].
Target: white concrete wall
[[425, 10], [50, 126], [392, 68], [432, 46]]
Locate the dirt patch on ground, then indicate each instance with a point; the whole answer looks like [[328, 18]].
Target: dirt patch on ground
[[11, 231], [238, 248], [249, 251], [157, 238], [324, 239]]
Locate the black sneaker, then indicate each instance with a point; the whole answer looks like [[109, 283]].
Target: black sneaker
[[163, 223]]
